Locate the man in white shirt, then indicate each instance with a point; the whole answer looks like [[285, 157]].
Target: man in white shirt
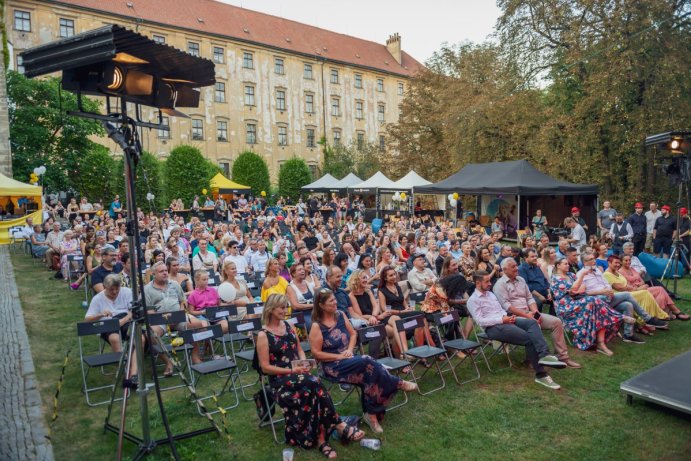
[[620, 232], [421, 278], [235, 256], [259, 258], [113, 302], [650, 218], [577, 237]]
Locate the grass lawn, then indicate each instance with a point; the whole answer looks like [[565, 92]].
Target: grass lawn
[[504, 415]]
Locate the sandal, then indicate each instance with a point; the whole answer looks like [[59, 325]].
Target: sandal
[[682, 316], [374, 425], [351, 434], [327, 451], [425, 363], [168, 372]]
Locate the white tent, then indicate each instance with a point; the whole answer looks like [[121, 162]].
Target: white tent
[[411, 180], [377, 181], [347, 182], [323, 184]]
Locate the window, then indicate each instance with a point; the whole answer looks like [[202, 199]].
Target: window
[[193, 48], [358, 80], [358, 110], [307, 71], [66, 27], [219, 55], [334, 76], [221, 130], [382, 143], [22, 21], [164, 134], [225, 168], [279, 66], [310, 137], [251, 133], [160, 39], [197, 129], [401, 88], [380, 85], [247, 60], [249, 95], [335, 107], [220, 93], [280, 100], [282, 135], [337, 137], [309, 103], [380, 112], [360, 140], [314, 169]]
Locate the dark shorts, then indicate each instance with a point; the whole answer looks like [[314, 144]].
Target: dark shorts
[[124, 329]]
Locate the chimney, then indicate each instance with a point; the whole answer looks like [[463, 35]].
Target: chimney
[[393, 44]]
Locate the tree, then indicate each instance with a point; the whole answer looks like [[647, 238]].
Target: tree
[[42, 133], [292, 176], [96, 179], [363, 161], [148, 179], [187, 173], [250, 170]]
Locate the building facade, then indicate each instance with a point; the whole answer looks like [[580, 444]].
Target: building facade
[[281, 86]]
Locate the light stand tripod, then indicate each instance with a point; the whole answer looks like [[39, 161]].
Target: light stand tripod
[[125, 135], [678, 248]]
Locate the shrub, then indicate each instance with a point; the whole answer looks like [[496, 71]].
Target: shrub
[[250, 170], [293, 175]]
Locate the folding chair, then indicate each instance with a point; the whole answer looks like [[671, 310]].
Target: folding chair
[[377, 333], [425, 352], [443, 320], [269, 404], [164, 320], [487, 342], [248, 328], [297, 320], [97, 360], [16, 237], [214, 278], [416, 298], [75, 266], [215, 314], [210, 367]]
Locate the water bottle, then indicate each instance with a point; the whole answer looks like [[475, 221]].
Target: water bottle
[[257, 299], [372, 444], [85, 305]]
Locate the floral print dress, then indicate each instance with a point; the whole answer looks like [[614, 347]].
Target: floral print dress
[[583, 316], [306, 404], [378, 385]]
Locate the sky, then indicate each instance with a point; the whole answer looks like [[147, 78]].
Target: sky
[[423, 24]]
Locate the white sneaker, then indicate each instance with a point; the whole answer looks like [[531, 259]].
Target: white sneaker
[[547, 381]]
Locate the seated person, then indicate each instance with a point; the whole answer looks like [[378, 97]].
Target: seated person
[[515, 297], [307, 407], [38, 242], [333, 339], [204, 296], [487, 312], [334, 278], [533, 275], [109, 265], [205, 259], [420, 278], [165, 295]]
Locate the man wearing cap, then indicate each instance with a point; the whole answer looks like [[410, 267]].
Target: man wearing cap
[[576, 215], [664, 232], [605, 217], [109, 265], [621, 232], [638, 224], [650, 218], [421, 278]]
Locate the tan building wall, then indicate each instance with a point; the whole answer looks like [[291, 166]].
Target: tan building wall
[[268, 118]]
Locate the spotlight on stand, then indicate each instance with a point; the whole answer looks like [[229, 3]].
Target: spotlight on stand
[[672, 142], [117, 63]]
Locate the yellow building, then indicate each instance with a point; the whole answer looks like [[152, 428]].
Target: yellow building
[[281, 85]]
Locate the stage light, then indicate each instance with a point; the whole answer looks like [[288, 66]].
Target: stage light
[[675, 144]]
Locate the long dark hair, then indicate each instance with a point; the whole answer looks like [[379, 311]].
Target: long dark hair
[[382, 275], [320, 298]]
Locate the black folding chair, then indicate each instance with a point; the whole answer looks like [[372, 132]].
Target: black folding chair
[[297, 320], [97, 360], [417, 297], [164, 320], [491, 348], [210, 367], [424, 353], [248, 327], [451, 319]]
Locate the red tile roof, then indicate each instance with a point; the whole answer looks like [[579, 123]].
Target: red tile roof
[[208, 16]]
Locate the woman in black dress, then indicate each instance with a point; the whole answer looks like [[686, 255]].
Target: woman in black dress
[[309, 412]]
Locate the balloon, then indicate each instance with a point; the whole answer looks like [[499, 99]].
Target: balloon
[[396, 197], [42, 169], [455, 195], [227, 292], [37, 170], [99, 212], [403, 196], [453, 202], [177, 342], [204, 191], [263, 193], [450, 197], [150, 196]]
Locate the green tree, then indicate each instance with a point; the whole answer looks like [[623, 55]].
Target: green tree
[[187, 173], [96, 179], [338, 161], [42, 133], [250, 170], [292, 176], [363, 160], [148, 179]]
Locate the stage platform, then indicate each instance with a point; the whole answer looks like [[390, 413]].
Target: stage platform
[[668, 384]]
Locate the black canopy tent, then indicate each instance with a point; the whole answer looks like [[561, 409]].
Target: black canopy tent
[[533, 189]]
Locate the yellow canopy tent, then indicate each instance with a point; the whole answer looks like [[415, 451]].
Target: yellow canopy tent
[[19, 195], [222, 185]]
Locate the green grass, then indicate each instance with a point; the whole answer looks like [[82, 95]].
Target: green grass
[[502, 416]]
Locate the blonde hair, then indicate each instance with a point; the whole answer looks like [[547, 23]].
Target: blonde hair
[[273, 302], [354, 279], [226, 262]]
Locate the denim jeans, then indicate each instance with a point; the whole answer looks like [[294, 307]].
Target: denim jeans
[[525, 332]]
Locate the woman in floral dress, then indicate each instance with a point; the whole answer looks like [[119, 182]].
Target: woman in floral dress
[[333, 338], [309, 412], [589, 318]]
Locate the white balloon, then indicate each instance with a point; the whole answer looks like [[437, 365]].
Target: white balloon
[[150, 196], [227, 292], [42, 169], [450, 197], [453, 202], [37, 171]]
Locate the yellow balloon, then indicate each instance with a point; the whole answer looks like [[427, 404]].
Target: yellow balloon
[[204, 191], [263, 193], [455, 196], [177, 342], [403, 196]]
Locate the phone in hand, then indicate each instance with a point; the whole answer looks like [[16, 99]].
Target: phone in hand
[[536, 315]]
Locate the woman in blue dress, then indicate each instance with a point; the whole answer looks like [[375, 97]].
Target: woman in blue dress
[[589, 319], [333, 339]]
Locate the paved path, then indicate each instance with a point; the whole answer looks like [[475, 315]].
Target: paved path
[[22, 427]]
